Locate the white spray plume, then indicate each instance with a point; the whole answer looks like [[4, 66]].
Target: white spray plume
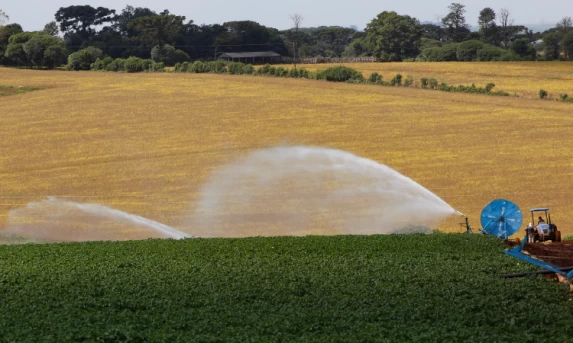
[[309, 190]]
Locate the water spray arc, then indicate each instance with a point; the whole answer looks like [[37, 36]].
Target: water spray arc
[[281, 191]]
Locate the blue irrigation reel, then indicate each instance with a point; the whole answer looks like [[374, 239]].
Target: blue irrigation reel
[[501, 218]]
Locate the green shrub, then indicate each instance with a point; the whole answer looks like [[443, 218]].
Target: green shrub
[[489, 86], [489, 53], [155, 67], [281, 72], [217, 67], [396, 80], [510, 56], [433, 83], [102, 64], [83, 59], [248, 69], [235, 68], [424, 82], [184, 67], [542, 94], [468, 51], [524, 49], [340, 74], [198, 67], [180, 56], [375, 78], [134, 65], [430, 54], [564, 96], [409, 81], [447, 53], [117, 65]]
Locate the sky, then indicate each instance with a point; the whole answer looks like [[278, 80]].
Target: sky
[[34, 14]]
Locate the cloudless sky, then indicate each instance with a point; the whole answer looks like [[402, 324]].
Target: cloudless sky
[[33, 14]]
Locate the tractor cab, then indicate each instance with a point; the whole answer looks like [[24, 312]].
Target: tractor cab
[[545, 230]]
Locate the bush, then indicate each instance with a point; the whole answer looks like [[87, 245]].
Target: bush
[[524, 49], [102, 64], [281, 72], [184, 67], [198, 67], [235, 68], [180, 56], [510, 56], [375, 78], [430, 54], [468, 51], [409, 81], [217, 67], [424, 82], [433, 83], [83, 59], [248, 69], [447, 53], [564, 96], [396, 80], [489, 86], [117, 65], [489, 53], [542, 94], [134, 65], [341, 74]]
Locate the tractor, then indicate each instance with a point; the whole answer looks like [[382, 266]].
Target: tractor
[[545, 230]]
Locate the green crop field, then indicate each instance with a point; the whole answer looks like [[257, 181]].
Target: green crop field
[[396, 288]]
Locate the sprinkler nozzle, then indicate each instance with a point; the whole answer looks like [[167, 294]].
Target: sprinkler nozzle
[[461, 214]]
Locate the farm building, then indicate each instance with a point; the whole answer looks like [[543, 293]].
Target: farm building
[[259, 57]]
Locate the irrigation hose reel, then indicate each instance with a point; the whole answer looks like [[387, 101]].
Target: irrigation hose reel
[[501, 218]]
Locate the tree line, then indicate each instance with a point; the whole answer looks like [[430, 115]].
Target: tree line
[[169, 38]]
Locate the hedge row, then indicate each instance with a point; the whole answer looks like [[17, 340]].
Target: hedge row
[[332, 74], [543, 94], [129, 65]]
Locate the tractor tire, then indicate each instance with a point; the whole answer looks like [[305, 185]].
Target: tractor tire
[[557, 236], [517, 241]]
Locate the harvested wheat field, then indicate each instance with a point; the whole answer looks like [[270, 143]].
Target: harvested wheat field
[[523, 79], [146, 143]]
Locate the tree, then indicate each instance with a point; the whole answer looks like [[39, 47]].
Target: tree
[[567, 45], [168, 55], [80, 20], [393, 36], [435, 32], [129, 13], [505, 23], [551, 48], [564, 25], [455, 22], [524, 49], [3, 18], [356, 48], [157, 29], [15, 49], [45, 51], [51, 28], [83, 59], [486, 23], [296, 22], [5, 33]]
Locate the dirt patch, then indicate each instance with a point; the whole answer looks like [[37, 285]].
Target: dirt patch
[[560, 254]]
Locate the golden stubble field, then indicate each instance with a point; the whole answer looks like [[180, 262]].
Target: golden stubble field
[[146, 143], [523, 78]]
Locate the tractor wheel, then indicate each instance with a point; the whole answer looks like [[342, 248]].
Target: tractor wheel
[[517, 241], [557, 236]]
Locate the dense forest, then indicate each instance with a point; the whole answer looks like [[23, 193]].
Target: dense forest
[[171, 38]]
